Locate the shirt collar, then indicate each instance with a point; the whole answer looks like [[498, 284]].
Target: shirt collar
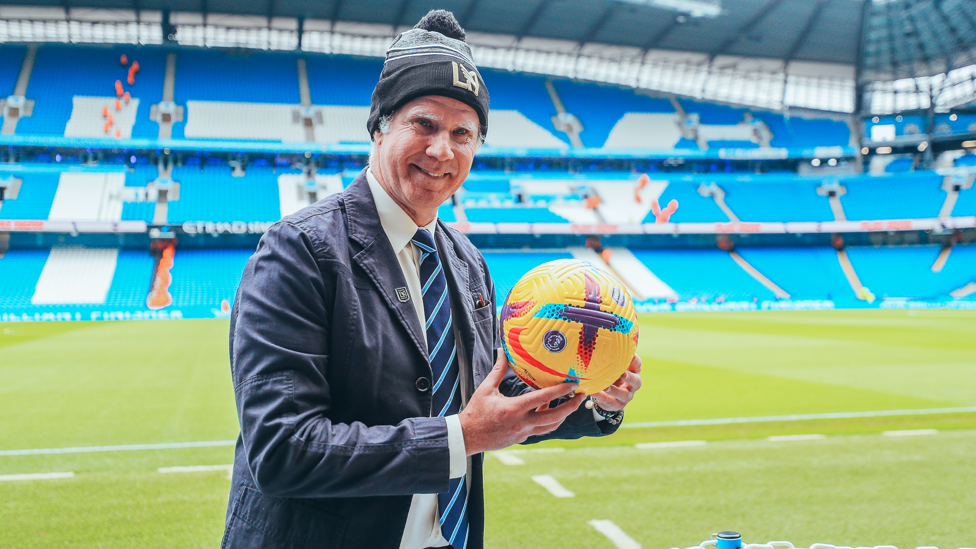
[[399, 227]]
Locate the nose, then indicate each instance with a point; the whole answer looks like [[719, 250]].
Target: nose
[[439, 146]]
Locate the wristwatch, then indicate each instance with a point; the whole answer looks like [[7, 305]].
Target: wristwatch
[[613, 418]]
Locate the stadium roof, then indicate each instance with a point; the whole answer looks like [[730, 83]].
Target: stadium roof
[[901, 38]]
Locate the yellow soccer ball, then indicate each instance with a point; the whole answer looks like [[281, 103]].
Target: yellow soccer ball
[[567, 320]]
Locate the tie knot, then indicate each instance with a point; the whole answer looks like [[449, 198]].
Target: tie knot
[[424, 241]]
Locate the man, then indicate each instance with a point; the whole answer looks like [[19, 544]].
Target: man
[[363, 336]]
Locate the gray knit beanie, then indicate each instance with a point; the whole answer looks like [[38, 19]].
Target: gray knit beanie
[[430, 59]]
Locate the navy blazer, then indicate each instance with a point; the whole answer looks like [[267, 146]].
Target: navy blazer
[[332, 382]]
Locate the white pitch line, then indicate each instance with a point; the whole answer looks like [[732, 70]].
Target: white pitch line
[[911, 433], [120, 448], [551, 484], [196, 468], [37, 476], [798, 417], [791, 438], [670, 444], [507, 458], [615, 534]]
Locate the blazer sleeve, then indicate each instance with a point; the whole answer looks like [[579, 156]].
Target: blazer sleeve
[[280, 339]]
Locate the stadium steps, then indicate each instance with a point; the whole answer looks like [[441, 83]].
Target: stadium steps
[[850, 273], [20, 89], [512, 129], [833, 192], [754, 273], [88, 196], [965, 291], [635, 273], [941, 260], [953, 186], [296, 191], [564, 121], [169, 88], [638, 279], [75, 276], [718, 195]]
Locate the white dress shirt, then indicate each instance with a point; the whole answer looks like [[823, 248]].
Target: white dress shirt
[[423, 527]]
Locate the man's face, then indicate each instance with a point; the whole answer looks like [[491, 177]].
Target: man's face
[[427, 154]]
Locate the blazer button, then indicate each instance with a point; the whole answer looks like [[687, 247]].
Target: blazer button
[[423, 384]]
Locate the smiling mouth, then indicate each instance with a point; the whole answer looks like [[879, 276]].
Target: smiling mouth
[[432, 174]]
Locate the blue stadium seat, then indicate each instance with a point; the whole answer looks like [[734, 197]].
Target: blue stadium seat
[[487, 185], [703, 274], [692, 207], [343, 80], [35, 197], [205, 277], [19, 271], [213, 194], [213, 75], [732, 144], [768, 200], [685, 143], [966, 160], [905, 271], [897, 196], [506, 268], [805, 132], [446, 213], [513, 215], [600, 106], [804, 273], [965, 204], [11, 58], [130, 284], [709, 113], [62, 72], [141, 176], [525, 93]]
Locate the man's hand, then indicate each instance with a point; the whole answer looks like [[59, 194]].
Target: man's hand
[[491, 420], [616, 396]]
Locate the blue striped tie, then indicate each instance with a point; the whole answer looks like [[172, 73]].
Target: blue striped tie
[[442, 350]]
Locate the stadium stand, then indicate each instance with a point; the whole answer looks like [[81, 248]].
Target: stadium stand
[[601, 108], [896, 196], [344, 81], [75, 275], [692, 207], [965, 205], [805, 132], [704, 275], [11, 58], [514, 215], [136, 207], [88, 196], [711, 114], [767, 199], [904, 124], [963, 123], [507, 267], [72, 83], [206, 277], [216, 75], [19, 271], [130, 285], [446, 213], [243, 121], [35, 198], [214, 194], [804, 273], [905, 271], [526, 94], [639, 130]]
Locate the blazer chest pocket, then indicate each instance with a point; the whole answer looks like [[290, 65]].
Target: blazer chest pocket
[[260, 521]]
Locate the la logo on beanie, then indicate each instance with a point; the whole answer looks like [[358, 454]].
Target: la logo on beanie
[[470, 82]]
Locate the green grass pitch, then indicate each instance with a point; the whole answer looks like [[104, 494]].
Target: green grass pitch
[[98, 384]]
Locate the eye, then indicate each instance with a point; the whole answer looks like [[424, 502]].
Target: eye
[[424, 122]]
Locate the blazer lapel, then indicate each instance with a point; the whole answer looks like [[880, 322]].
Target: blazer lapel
[[376, 257], [456, 271]]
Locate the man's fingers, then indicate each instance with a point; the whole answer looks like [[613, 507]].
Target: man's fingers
[[560, 412], [533, 400], [635, 365], [497, 373]]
